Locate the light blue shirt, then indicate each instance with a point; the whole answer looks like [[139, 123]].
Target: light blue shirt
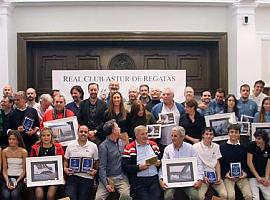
[[144, 152], [248, 107], [185, 151], [217, 107], [266, 116]]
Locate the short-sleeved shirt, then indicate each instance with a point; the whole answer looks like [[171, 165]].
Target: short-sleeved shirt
[[260, 158], [89, 150], [208, 155]]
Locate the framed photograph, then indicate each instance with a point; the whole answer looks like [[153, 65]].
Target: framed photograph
[[42, 171], [154, 130], [87, 164], [64, 130], [75, 164], [256, 126], [167, 119], [246, 118], [220, 123], [244, 128], [181, 172]]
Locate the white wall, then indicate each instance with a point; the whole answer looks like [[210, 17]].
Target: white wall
[[121, 18]]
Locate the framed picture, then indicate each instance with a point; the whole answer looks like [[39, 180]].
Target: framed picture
[[167, 119], [64, 130], [42, 171], [154, 130], [75, 164], [87, 164], [246, 118], [244, 128], [27, 123], [256, 126], [181, 172], [220, 123]]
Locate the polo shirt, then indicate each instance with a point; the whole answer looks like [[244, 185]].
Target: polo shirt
[[89, 150], [260, 158]]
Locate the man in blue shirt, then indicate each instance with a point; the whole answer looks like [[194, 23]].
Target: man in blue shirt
[[245, 105], [218, 102], [110, 168]]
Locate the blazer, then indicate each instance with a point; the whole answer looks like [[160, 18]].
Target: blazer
[[97, 121]]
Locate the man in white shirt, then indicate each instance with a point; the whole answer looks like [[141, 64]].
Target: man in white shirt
[[181, 149], [257, 93], [209, 154], [168, 105], [79, 184]]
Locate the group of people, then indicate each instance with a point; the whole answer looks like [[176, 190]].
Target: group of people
[[112, 131]]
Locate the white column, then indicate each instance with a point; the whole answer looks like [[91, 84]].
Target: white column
[[5, 9], [243, 45]]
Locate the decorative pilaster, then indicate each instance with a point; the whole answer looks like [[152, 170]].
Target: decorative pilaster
[[244, 55], [5, 10]]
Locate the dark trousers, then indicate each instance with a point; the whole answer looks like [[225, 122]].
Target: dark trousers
[[16, 193], [78, 188], [146, 188]]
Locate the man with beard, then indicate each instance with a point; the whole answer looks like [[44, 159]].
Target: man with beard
[[6, 108], [144, 94], [218, 102], [245, 105], [205, 107], [77, 96], [59, 111], [92, 114], [24, 119], [79, 185], [31, 98], [132, 96]]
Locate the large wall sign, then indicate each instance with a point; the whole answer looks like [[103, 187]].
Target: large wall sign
[[65, 79]]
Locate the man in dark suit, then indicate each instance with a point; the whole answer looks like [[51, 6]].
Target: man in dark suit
[[91, 113]]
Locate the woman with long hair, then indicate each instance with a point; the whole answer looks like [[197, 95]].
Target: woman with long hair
[[138, 116], [264, 114], [231, 105], [117, 111], [46, 147], [13, 158]]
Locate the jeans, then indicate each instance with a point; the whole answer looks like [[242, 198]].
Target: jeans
[[146, 188], [16, 193], [79, 188], [255, 187], [121, 185]]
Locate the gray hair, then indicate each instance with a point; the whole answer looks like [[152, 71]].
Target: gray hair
[[46, 97], [21, 94], [180, 129], [139, 128]]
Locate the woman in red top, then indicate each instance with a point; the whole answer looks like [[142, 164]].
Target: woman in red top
[[46, 147]]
